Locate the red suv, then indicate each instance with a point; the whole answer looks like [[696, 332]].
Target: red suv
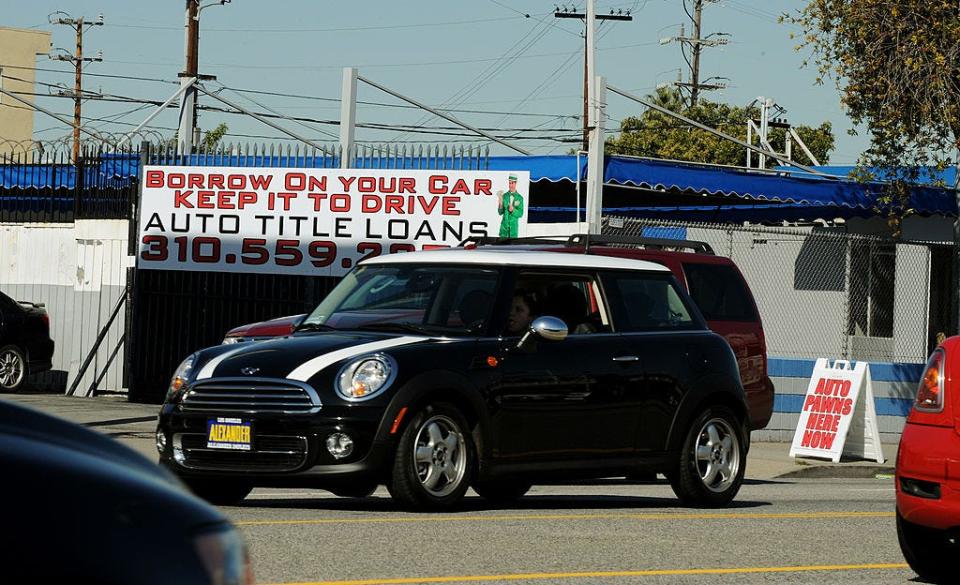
[[928, 471], [714, 282]]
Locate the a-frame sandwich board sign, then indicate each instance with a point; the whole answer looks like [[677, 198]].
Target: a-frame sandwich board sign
[[838, 417]]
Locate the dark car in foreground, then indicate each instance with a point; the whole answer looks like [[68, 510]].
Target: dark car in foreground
[[81, 508], [430, 372], [25, 344], [928, 470]]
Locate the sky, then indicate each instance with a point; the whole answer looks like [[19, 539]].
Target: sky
[[486, 60]]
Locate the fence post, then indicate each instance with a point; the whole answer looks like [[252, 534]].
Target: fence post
[[847, 279]]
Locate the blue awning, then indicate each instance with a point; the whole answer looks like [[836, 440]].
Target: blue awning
[[775, 192]]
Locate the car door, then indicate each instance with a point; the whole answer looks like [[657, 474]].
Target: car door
[[656, 324], [562, 401]]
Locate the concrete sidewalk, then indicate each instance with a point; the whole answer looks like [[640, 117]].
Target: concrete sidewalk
[[134, 425]]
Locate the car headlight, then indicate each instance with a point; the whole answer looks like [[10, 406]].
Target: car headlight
[[231, 339], [180, 378], [365, 377], [225, 557]]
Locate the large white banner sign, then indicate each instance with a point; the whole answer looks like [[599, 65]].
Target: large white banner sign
[[317, 221]]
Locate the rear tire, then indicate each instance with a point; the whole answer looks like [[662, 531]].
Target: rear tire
[[434, 460], [501, 492], [925, 550], [712, 460], [219, 492], [13, 368]]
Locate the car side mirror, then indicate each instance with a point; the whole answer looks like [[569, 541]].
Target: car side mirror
[[545, 328]]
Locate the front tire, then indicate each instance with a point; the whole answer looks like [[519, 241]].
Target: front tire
[[219, 493], [925, 550], [434, 460], [712, 460], [13, 368]]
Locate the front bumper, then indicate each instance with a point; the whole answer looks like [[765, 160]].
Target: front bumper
[[286, 450], [930, 454]]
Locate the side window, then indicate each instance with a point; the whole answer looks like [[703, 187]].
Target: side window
[[471, 302], [647, 302], [575, 299], [719, 292]]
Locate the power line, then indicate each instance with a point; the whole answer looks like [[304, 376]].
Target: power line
[[388, 105], [255, 102], [61, 71], [327, 30]]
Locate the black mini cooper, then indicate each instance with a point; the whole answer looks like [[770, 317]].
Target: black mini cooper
[[432, 372]]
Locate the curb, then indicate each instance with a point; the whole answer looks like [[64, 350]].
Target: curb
[[840, 472]]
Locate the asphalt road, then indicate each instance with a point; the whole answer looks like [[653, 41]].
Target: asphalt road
[[779, 531]]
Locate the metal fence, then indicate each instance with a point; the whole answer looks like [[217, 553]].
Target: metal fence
[[50, 187], [825, 293]]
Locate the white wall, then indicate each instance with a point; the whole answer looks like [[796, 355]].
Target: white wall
[[79, 271]]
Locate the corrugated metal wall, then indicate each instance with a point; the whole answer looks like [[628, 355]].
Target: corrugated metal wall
[[79, 271]]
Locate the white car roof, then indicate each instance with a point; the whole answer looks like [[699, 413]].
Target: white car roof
[[503, 257]]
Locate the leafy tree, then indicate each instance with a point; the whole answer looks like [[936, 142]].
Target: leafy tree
[[658, 135], [212, 138], [897, 66]]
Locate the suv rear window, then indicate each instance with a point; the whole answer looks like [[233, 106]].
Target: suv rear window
[[646, 302], [719, 292]]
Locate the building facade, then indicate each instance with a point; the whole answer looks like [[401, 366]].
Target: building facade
[[18, 52]]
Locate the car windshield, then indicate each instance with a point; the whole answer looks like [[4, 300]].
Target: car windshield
[[435, 300]]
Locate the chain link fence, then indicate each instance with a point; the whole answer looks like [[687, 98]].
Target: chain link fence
[[822, 292]]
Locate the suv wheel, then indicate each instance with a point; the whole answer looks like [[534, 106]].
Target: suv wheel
[[220, 492], [434, 460], [712, 460], [925, 550], [499, 492], [13, 368]]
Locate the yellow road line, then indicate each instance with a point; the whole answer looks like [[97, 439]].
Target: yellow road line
[[542, 517], [606, 574]]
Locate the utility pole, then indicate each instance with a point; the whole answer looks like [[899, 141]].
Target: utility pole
[[77, 58], [697, 49], [188, 106], [695, 45], [187, 135], [589, 48]]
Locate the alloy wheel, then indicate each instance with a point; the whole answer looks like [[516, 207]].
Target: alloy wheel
[[11, 369], [717, 453], [439, 455]]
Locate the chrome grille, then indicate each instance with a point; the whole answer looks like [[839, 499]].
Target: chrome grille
[[270, 453], [252, 396]]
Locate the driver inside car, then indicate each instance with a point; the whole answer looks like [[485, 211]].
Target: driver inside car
[[523, 307]]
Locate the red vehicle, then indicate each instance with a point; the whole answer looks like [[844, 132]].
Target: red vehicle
[[263, 330], [714, 282], [928, 470]]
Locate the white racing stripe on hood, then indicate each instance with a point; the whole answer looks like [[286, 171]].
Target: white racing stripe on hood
[[209, 367], [312, 367]]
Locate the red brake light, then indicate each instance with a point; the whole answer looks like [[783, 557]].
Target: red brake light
[[930, 392]]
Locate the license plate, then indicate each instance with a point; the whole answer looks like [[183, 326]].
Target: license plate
[[229, 433]]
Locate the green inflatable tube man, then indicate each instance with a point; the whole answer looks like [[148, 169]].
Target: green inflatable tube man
[[510, 208]]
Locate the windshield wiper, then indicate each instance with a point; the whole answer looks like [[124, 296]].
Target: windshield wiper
[[313, 327], [393, 327]]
